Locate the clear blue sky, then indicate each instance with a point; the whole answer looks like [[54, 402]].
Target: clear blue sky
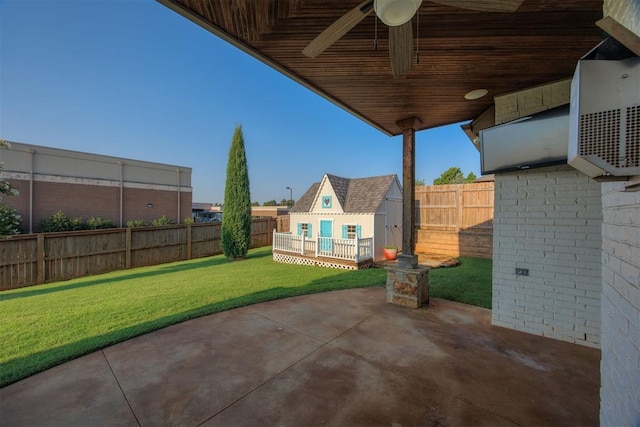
[[130, 78]]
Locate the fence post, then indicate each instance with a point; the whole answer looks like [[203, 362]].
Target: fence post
[[357, 251], [40, 266], [273, 239], [189, 240], [318, 245], [127, 240], [273, 222], [459, 201], [302, 244]]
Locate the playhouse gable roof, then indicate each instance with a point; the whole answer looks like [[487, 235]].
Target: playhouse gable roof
[[355, 195], [305, 202]]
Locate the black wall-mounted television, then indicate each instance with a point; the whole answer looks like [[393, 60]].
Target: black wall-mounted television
[[530, 142]]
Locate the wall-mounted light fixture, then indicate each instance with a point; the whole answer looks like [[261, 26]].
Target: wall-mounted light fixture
[[149, 205]]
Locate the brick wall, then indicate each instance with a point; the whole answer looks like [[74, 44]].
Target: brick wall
[[84, 200], [549, 222], [620, 366]]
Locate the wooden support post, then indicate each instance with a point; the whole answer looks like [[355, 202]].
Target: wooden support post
[[41, 264], [408, 259]]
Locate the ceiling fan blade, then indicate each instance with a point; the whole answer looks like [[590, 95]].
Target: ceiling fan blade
[[483, 5], [401, 48], [335, 31]]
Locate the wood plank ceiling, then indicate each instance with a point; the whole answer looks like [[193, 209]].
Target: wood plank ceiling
[[459, 50]]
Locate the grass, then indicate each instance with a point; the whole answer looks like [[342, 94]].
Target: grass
[[45, 325], [469, 283]]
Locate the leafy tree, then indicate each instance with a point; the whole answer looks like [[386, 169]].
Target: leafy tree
[[270, 203], [9, 221], [236, 221], [420, 182], [287, 202], [255, 203], [9, 218], [454, 175]]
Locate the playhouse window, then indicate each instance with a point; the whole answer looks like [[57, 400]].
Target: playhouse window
[[351, 232], [304, 227]]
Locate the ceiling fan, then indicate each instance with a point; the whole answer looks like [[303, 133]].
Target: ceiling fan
[[397, 15]]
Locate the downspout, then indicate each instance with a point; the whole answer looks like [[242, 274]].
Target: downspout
[[121, 192], [178, 219], [31, 155]]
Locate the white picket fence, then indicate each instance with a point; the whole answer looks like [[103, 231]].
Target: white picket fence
[[348, 249]]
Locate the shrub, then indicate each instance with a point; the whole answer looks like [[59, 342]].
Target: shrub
[[77, 224], [163, 220], [60, 221], [188, 220], [96, 223], [133, 223], [9, 221]]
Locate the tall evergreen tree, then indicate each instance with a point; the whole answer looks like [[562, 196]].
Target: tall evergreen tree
[[236, 217]]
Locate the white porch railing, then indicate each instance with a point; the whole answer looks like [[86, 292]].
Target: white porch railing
[[347, 249]]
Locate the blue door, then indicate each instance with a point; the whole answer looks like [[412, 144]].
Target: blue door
[[326, 234]]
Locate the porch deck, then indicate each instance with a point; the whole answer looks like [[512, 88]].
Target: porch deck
[[329, 252], [309, 258]]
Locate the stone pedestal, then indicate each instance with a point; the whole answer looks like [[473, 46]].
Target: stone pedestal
[[408, 286], [407, 261]]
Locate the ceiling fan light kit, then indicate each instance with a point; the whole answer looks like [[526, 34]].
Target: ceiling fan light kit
[[475, 94], [396, 12]]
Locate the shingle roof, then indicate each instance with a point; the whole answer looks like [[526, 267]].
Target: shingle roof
[[356, 195], [366, 194], [305, 203], [340, 186]]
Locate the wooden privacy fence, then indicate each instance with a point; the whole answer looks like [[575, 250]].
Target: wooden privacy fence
[[283, 223], [455, 220], [49, 257]]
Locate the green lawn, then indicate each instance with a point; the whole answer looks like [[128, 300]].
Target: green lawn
[[469, 283], [48, 324]]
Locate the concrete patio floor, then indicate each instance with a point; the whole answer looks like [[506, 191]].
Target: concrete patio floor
[[337, 358]]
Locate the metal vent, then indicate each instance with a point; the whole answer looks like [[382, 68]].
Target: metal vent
[[632, 143], [600, 136]]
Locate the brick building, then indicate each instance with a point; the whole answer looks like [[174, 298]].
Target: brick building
[[83, 184]]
